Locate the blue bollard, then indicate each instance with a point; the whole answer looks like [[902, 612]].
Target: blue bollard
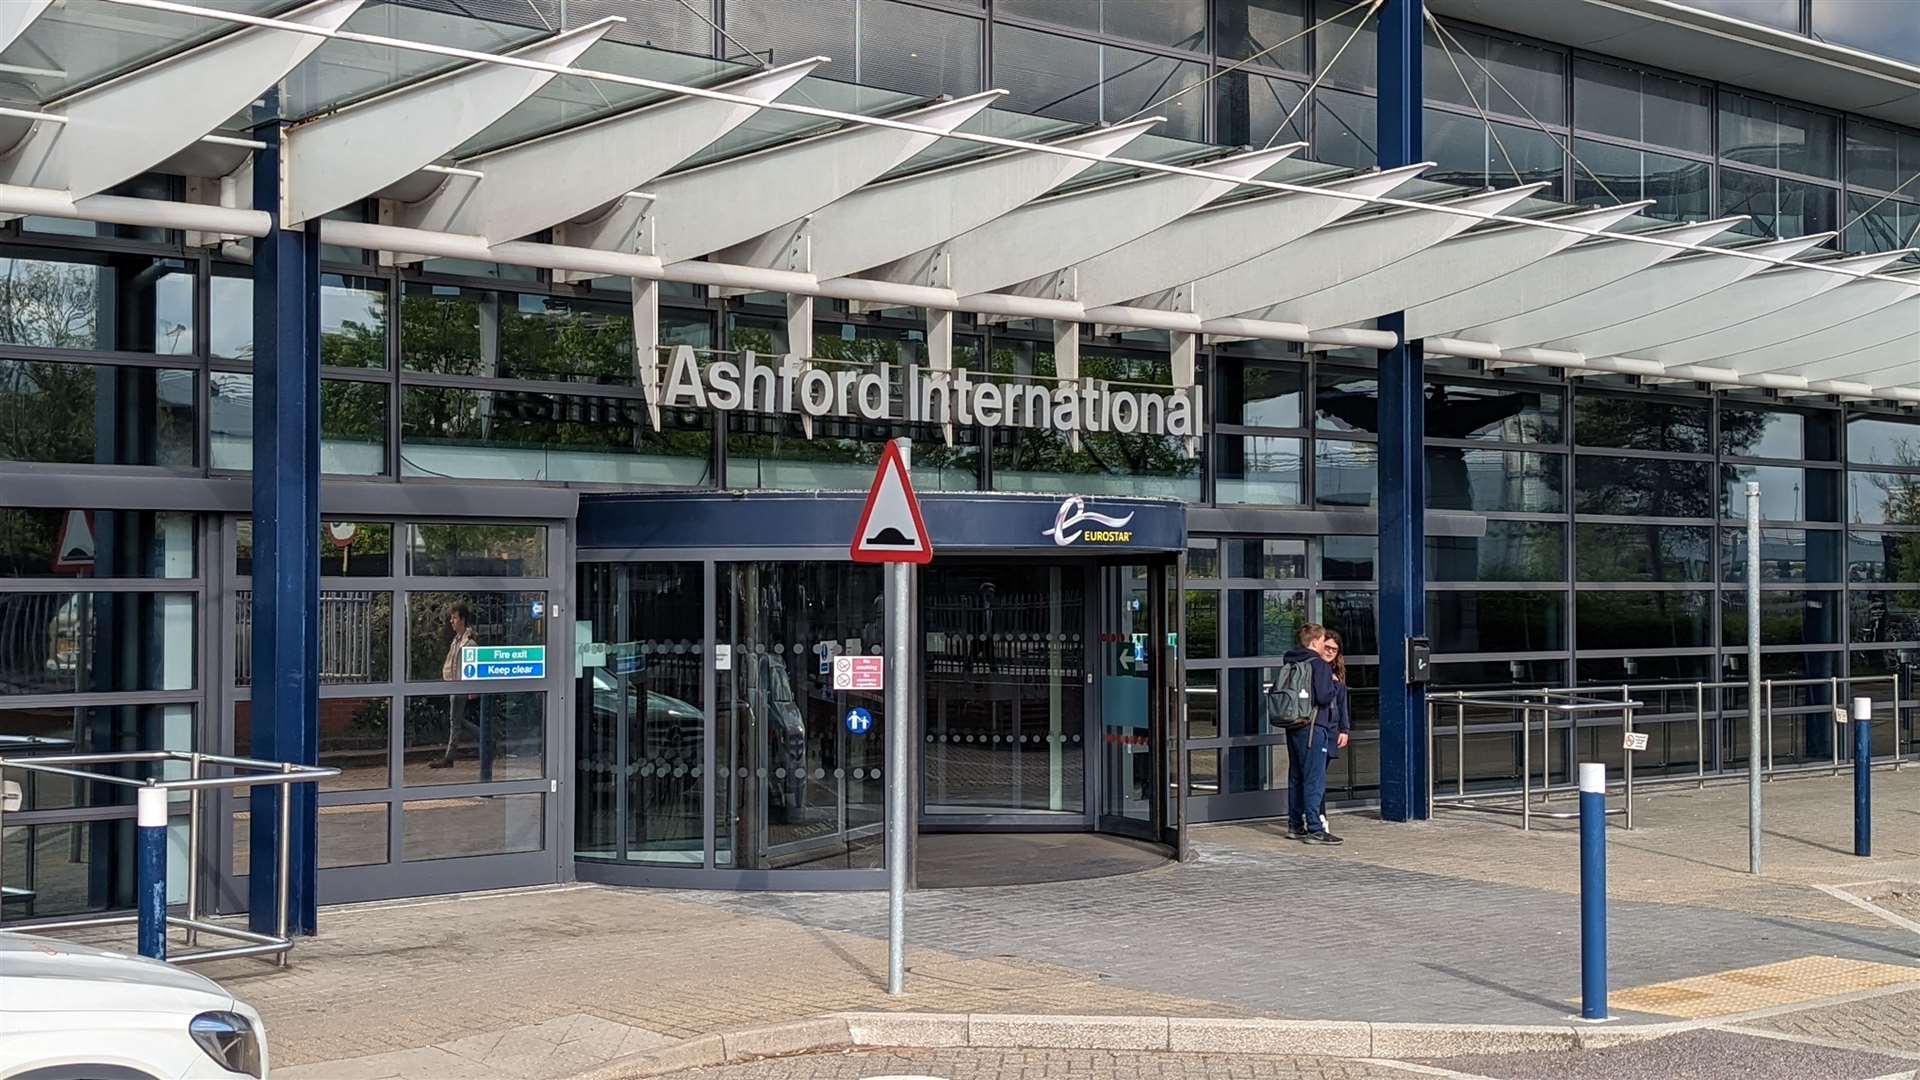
[[1863, 776], [1593, 891], [150, 871]]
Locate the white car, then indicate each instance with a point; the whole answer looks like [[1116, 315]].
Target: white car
[[72, 1012]]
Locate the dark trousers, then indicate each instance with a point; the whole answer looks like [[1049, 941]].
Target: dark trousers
[[1306, 777]]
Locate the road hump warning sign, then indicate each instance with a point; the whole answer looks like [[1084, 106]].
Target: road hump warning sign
[[891, 529]]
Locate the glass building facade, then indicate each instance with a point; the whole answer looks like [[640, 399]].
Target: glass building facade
[[1582, 530]]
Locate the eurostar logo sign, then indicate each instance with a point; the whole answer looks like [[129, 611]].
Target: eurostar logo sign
[[1070, 521]]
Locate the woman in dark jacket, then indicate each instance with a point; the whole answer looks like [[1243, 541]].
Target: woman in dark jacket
[[1341, 717]]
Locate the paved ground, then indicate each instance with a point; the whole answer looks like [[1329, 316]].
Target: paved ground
[[1694, 1053], [1466, 919], [1030, 1064]]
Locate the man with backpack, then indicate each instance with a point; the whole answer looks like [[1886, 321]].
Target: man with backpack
[[1300, 701]]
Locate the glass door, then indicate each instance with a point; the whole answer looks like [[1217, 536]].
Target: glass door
[[1004, 662], [1131, 665]]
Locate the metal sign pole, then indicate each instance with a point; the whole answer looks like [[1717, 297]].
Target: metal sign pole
[[1753, 678], [899, 591]]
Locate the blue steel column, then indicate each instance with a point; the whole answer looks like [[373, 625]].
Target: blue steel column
[[286, 544], [1402, 525]]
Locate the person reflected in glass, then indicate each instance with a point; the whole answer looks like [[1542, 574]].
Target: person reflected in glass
[[460, 622], [1333, 649]]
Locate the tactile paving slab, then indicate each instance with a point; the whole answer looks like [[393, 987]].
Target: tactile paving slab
[[1742, 990]]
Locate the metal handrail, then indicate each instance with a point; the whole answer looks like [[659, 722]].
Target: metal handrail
[[1541, 699], [251, 772], [1526, 703]]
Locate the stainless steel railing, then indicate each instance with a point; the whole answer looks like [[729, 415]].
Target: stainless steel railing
[[248, 773], [1524, 703]]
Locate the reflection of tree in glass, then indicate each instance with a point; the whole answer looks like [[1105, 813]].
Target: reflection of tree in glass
[[1044, 450], [1901, 500]]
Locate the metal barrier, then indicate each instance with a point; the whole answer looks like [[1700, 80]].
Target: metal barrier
[[252, 773], [1547, 703], [1634, 713]]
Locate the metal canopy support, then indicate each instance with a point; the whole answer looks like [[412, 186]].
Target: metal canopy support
[[349, 155], [539, 184], [894, 218], [125, 126], [702, 210], [1582, 269], [1656, 289], [1401, 520], [1857, 300], [1440, 271], [1325, 258], [1759, 295], [1211, 240], [286, 551], [1041, 237]]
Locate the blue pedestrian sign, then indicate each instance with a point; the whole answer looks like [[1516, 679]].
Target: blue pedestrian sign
[[859, 721]]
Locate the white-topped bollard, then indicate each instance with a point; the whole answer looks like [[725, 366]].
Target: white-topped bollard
[[1593, 891], [1863, 776], [150, 870]]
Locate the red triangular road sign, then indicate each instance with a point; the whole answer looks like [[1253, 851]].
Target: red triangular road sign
[[891, 529], [73, 552]]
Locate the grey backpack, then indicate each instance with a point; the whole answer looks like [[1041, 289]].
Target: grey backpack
[[1290, 698]]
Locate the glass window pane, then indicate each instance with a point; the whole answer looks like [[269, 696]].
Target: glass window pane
[[1260, 393], [1779, 14], [1885, 27], [1345, 473], [1629, 423], [66, 729], [1880, 498], [1647, 487], [1249, 109], [441, 624], [1785, 554], [1497, 621], [1358, 65], [1495, 480], [1873, 441], [1258, 469], [478, 550], [1203, 772], [1180, 24], [1642, 553], [1608, 175], [1513, 413], [1884, 616], [102, 303], [1347, 402], [1883, 556], [1786, 618], [450, 330], [353, 318], [347, 548], [1264, 622], [1243, 29], [1643, 107], [1108, 463], [1203, 704], [1047, 74], [1203, 557], [38, 543], [914, 50], [1284, 560], [96, 414], [95, 642], [1344, 127], [1509, 551], [1769, 433], [1645, 620], [1347, 558], [71, 869], [353, 425], [1203, 624], [1786, 494], [1755, 131], [1779, 208], [1472, 154], [356, 637], [471, 738], [468, 825], [353, 739], [1256, 768], [1352, 615], [1876, 223], [528, 435]]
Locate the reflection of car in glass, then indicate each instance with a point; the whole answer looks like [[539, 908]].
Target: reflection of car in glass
[[675, 730]]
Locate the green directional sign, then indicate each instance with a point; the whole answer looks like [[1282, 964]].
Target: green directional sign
[[482, 662]]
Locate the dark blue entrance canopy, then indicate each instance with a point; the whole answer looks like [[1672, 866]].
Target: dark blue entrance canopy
[[977, 522]]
